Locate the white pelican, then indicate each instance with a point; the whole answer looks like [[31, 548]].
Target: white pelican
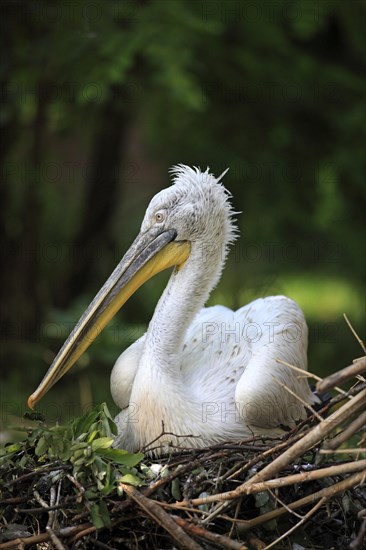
[[206, 374]]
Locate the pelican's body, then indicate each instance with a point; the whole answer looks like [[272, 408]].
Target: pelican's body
[[200, 375], [223, 387]]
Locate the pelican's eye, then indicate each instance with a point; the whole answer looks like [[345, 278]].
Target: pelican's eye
[[160, 216]]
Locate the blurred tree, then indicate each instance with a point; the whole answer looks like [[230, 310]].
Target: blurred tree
[[272, 89]]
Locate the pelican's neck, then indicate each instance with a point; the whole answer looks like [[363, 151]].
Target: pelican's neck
[[161, 400], [186, 293]]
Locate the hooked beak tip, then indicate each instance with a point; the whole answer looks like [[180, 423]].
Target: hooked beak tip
[[30, 402]]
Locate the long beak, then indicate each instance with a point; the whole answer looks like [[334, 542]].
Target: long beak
[[149, 254]]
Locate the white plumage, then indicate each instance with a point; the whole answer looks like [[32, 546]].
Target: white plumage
[[206, 375], [210, 373]]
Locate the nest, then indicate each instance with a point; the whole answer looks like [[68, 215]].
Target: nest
[[66, 487]]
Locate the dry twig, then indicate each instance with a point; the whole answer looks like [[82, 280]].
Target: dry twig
[[307, 374], [306, 405], [342, 375], [253, 488], [344, 436], [42, 537], [153, 510], [354, 333], [220, 540], [328, 492], [301, 522]]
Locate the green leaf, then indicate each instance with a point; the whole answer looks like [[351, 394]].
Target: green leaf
[[105, 410], [261, 499], [99, 464], [38, 432], [130, 480], [100, 515], [175, 489], [102, 443], [120, 456], [109, 484], [42, 446], [12, 448], [112, 426], [84, 423], [23, 461], [92, 436]]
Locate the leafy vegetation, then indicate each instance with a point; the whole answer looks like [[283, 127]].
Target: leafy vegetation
[[82, 448], [67, 487]]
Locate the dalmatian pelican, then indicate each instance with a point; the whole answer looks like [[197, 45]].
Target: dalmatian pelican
[[206, 375]]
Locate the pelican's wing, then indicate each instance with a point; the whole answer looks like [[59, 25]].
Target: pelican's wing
[[214, 355], [124, 372], [230, 360], [269, 394]]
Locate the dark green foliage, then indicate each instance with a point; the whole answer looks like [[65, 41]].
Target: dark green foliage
[[81, 448]]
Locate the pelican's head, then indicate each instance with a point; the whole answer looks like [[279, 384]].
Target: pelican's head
[[194, 211], [196, 206]]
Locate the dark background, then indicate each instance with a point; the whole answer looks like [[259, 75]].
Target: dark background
[[99, 99]]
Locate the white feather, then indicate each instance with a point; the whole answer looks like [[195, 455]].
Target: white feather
[[208, 374]]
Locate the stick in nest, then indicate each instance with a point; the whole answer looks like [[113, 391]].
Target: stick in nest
[[313, 437], [342, 375], [344, 436], [253, 488], [354, 333], [306, 405], [301, 522], [161, 517], [219, 540], [308, 374], [328, 492]]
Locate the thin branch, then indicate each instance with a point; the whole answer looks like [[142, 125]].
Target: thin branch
[[349, 393], [308, 374], [219, 540], [42, 509], [253, 488], [337, 469], [235, 471], [302, 401], [42, 537], [313, 437], [79, 487], [342, 375], [344, 436], [149, 449], [54, 538], [39, 471], [284, 505], [51, 513], [341, 451], [174, 506], [153, 510], [354, 333], [167, 479], [40, 500], [328, 493], [301, 522], [360, 538], [83, 533]]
